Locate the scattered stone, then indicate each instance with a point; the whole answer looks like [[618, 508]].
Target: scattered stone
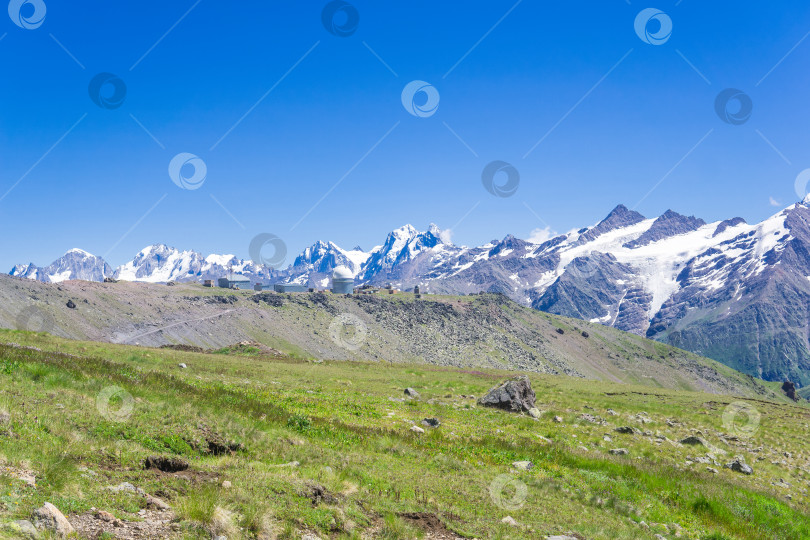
[[227, 484], [523, 465], [514, 395], [712, 470], [534, 412], [49, 517], [431, 422], [125, 487], [165, 464], [557, 419], [592, 419], [738, 465], [5, 418], [560, 331], [509, 520], [417, 429], [71, 304], [627, 430], [182, 365], [619, 451], [585, 334], [410, 392], [611, 412]]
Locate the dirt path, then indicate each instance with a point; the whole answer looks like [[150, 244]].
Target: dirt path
[[173, 325]]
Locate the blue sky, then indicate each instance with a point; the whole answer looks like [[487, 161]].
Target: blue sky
[[618, 120]]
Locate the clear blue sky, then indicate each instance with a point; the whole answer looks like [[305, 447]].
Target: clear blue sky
[[523, 79]]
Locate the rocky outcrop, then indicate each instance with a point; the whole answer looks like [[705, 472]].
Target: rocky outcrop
[[515, 395], [49, 518]]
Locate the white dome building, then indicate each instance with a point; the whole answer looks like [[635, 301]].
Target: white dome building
[[342, 280]]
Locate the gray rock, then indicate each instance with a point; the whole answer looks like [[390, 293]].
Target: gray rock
[[417, 429], [534, 412], [619, 451], [48, 517], [694, 441], [5, 418], [514, 395], [740, 466], [509, 520], [557, 419], [627, 430], [182, 366], [410, 392], [431, 422], [523, 465]]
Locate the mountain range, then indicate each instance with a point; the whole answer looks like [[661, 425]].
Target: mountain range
[[732, 291]]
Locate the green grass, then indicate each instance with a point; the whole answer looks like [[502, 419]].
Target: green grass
[[360, 470]]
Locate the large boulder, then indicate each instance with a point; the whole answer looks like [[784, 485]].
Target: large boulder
[[49, 517], [514, 395], [790, 390]]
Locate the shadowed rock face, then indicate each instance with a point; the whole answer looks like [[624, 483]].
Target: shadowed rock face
[[515, 395], [790, 390]]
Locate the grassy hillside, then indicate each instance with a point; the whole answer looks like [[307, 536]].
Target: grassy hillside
[[327, 448], [482, 331]]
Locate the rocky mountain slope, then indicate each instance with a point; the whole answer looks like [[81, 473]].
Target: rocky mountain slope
[[481, 331], [729, 290]]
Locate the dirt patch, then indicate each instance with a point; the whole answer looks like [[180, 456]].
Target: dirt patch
[[430, 523], [165, 464], [319, 494]]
